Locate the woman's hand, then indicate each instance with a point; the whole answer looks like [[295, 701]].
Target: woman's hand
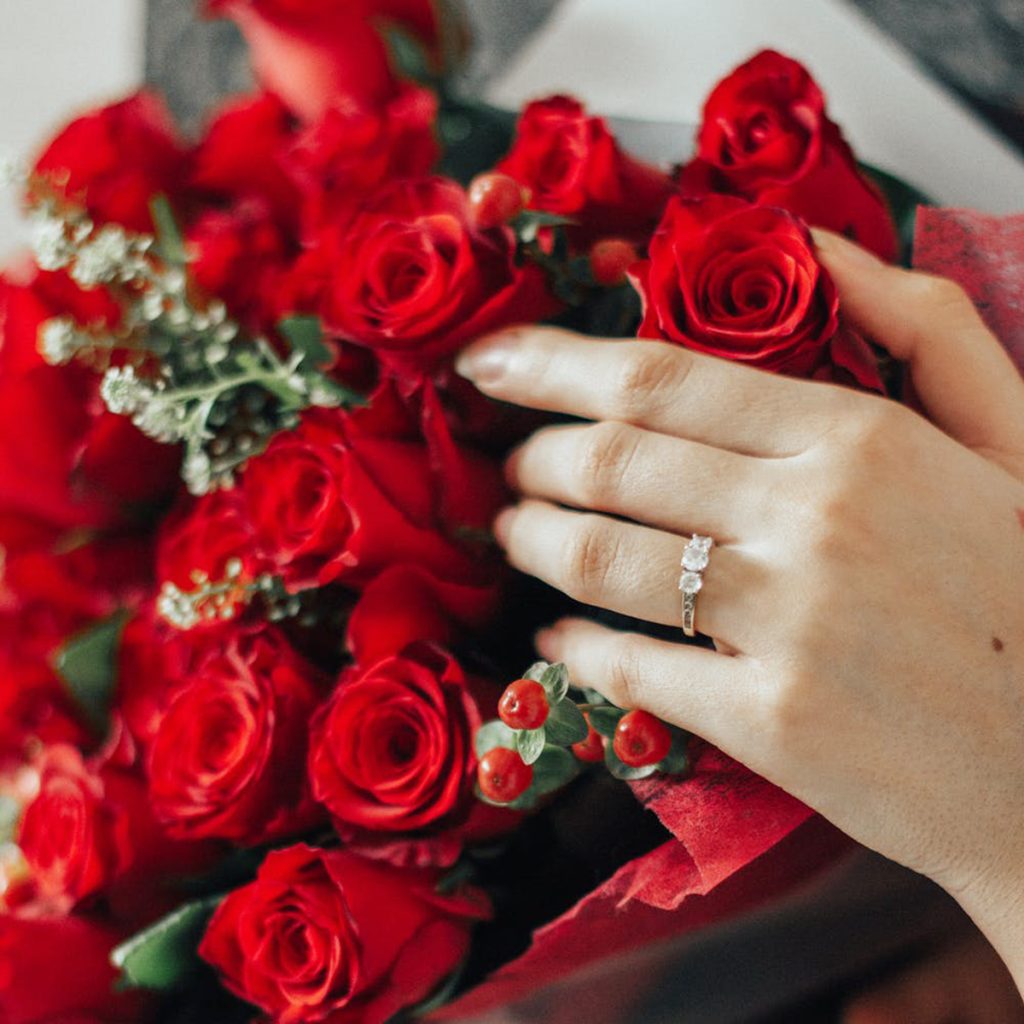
[[866, 591]]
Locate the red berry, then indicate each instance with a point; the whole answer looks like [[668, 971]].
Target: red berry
[[495, 199], [610, 259], [503, 775], [641, 739], [591, 749], [524, 705]]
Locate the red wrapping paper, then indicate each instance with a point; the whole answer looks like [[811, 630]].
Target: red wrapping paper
[[986, 256], [738, 841]]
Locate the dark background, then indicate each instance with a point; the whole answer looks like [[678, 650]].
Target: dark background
[[976, 46]]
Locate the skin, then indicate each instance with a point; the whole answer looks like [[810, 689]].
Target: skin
[[865, 590]]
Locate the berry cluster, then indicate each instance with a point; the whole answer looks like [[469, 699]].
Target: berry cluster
[[543, 738]]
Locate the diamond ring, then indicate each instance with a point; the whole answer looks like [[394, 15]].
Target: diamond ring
[[695, 560]]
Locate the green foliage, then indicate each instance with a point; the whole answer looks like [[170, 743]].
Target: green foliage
[[530, 743], [565, 724], [87, 665], [170, 245], [163, 956], [493, 734], [305, 334]]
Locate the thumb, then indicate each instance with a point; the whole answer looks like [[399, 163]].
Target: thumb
[[963, 376]]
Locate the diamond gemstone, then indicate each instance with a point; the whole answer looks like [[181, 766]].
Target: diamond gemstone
[[695, 557], [691, 582]]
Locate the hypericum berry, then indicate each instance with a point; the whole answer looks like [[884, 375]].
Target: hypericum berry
[[524, 705], [503, 775], [641, 739], [591, 749], [495, 199], [610, 259]]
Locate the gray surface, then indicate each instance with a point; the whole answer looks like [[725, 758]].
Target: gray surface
[[977, 45]]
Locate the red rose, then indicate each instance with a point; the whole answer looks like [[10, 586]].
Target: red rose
[[313, 54], [326, 935], [740, 282], [766, 136], [350, 150], [392, 750], [117, 159], [414, 280], [573, 166], [73, 840], [66, 460], [227, 756], [54, 968], [242, 256], [89, 827], [200, 536], [330, 501], [241, 155]]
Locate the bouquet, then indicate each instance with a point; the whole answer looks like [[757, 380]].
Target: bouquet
[[270, 746]]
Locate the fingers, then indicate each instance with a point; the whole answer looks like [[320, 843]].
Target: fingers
[[652, 384], [661, 481], [629, 569], [702, 691], [964, 377]]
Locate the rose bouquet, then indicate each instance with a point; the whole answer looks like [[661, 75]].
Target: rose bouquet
[[259, 757]]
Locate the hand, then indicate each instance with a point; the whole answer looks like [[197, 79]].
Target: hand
[[866, 591]]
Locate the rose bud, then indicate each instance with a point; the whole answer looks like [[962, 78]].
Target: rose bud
[[573, 166], [324, 934], [765, 135]]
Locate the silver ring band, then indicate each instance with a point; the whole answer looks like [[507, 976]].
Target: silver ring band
[[694, 561]]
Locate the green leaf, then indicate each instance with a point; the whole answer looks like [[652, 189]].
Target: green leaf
[[493, 734], [536, 671], [623, 771], [305, 334], [555, 680], [530, 743], [170, 245], [903, 199], [565, 724], [475, 136], [677, 760], [555, 768], [605, 719], [163, 956], [528, 224], [87, 664], [408, 56]]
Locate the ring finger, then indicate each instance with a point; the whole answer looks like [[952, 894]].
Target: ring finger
[[629, 569], [618, 468]]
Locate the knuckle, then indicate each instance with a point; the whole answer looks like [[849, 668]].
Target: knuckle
[[607, 451], [646, 371], [937, 293], [590, 554], [624, 672]]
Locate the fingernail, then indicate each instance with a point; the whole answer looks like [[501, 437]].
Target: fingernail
[[503, 524], [833, 245], [487, 361]]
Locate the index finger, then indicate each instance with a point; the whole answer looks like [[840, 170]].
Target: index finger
[[655, 385]]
